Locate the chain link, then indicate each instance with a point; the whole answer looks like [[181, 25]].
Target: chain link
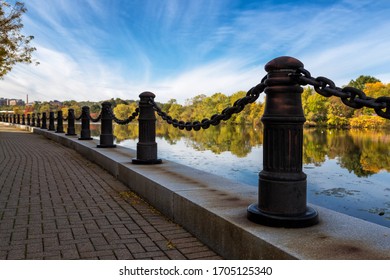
[[125, 121], [350, 96], [239, 105]]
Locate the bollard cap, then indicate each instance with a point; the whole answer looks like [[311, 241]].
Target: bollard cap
[[147, 94], [106, 103], [283, 62]]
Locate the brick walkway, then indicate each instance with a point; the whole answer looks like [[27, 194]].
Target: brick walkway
[[54, 204]]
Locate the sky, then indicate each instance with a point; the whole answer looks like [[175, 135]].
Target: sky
[[101, 49]]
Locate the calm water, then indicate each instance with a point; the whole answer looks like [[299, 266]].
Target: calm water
[[348, 170]]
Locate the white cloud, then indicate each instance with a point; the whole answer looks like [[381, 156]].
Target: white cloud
[[366, 54], [61, 77], [227, 77]]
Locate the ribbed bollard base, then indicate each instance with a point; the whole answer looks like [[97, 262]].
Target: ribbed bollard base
[[70, 134], [148, 161], [308, 219], [85, 138]]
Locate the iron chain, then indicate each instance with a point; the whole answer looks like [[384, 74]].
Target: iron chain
[[125, 121], [251, 96], [97, 119], [350, 96]]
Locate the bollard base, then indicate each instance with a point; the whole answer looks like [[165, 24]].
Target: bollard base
[[106, 146], [310, 218], [85, 138], [146, 161], [70, 134], [59, 132]]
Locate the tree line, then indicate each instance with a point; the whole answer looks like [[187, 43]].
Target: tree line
[[319, 110]]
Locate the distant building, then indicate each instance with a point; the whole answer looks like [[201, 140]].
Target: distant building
[[16, 102], [11, 102], [56, 103]]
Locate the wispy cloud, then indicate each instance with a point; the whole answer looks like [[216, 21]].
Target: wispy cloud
[[220, 76]]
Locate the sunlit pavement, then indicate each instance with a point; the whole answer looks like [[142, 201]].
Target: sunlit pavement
[[54, 204]]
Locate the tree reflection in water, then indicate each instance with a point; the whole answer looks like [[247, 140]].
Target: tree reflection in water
[[363, 152]]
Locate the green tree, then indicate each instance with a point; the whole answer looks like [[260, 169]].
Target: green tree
[[361, 82], [338, 113], [95, 108], [45, 107], [14, 46], [166, 106], [316, 108]]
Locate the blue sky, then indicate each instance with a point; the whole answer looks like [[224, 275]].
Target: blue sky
[[99, 49]]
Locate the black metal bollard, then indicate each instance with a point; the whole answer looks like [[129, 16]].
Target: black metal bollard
[[38, 119], [147, 146], [85, 133], [44, 125], [282, 184], [60, 122], [71, 129], [106, 136], [32, 119], [23, 119], [28, 119], [51, 121], [14, 118], [18, 119]]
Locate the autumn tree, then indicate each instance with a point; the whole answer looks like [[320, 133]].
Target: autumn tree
[[361, 81], [124, 111], [14, 46]]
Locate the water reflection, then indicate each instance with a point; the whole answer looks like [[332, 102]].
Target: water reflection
[[363, 152]]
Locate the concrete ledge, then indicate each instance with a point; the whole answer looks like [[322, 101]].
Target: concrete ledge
[[214, 210]]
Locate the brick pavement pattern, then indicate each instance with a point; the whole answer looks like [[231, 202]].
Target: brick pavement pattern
[[55, 204]]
